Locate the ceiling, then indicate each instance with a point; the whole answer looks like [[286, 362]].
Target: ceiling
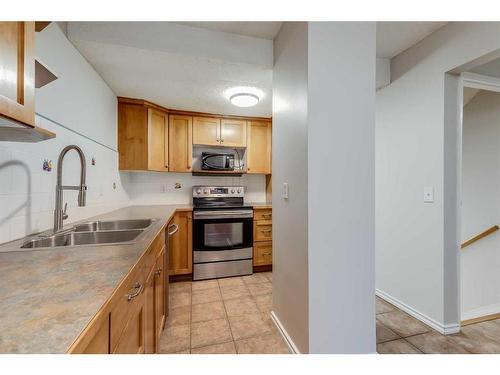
[[491, 68], [190, 65], [264, 30], [395, 37]]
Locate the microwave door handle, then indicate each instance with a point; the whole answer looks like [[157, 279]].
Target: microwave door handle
[[207, 163]]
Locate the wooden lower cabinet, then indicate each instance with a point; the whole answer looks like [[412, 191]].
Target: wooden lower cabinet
[[159, 291], [181, 244], [132, 321], [262, 237], [99, 342], [132, 340]]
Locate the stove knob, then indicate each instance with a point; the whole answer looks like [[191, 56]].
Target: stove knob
[[205, 191], [198, 191], [232, 191], [239, 191]]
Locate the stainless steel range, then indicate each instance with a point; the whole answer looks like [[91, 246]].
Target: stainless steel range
[[222, 232]]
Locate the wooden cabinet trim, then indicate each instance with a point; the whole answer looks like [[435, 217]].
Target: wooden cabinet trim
[[19, 105]]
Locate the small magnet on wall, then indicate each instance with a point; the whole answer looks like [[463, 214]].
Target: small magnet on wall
[[177, 185], [93, 160], [47, 165]]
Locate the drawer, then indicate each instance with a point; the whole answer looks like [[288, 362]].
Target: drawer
[[126, 304], [263, 253], [264, 214], [262, 230]]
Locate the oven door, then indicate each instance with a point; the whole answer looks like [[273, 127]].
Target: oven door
[[219, 230]]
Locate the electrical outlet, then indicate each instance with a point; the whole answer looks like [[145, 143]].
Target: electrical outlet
[[428, 194]]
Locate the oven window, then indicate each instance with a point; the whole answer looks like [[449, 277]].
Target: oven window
[[223, 235]]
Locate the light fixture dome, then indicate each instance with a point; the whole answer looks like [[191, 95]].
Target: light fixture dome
[[244, 99]]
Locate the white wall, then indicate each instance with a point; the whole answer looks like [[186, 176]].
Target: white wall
[[414, 149], [79, 100], [290, 221], [480, 262], [341, 184], [158, 188], [323, 234]]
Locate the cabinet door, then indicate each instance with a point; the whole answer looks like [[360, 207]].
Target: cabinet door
[[233, 133], [181, 253], [17, 61], [157, 140], [259, 147], [206, 131], [262, 253], [180, 140], [159, 296], [132, 340], [149, 314]]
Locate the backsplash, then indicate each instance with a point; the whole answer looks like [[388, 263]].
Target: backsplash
[[27, 192], [159, 188]]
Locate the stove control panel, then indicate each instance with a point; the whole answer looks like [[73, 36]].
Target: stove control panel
[[218, 191]]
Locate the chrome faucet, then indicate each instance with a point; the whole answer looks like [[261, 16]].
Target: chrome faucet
[[59, 213]]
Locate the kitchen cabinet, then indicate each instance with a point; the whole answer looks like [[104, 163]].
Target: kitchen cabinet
[[259, 135], [17, 61], [262, 237], [142, 136], [206, 131], [150, 314], [233, 133], [180, 146], [181, 244], [132, 320], [159, 297]]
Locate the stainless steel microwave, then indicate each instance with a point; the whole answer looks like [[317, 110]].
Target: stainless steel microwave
[[217, 161]]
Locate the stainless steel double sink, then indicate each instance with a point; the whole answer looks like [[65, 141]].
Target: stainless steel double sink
[[93, 233]]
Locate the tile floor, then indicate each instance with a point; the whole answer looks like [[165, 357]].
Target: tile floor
[[225, 316], [229, 316], [399, 333]]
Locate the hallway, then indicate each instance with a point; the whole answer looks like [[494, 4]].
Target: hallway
[[399, 333]]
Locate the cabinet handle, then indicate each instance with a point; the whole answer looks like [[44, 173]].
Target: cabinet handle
[[267, 216], [266, 253], [172, 229], [158, 272], [138, 291], [221, 141], [166, 165]]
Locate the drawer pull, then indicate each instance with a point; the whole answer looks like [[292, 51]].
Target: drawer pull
[[138, 287], [267, 215], [266, 231], [158, 272], [266, 253]]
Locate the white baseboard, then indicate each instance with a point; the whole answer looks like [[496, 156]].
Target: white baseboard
[[285, 334], [480, 312], [444, 329]]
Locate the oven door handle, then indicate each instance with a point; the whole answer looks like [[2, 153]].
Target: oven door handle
[[223, 214]]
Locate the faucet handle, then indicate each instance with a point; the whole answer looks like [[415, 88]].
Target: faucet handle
[[65, 215]]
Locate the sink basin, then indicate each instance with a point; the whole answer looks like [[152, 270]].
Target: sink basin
[[97, 226], [84, 238]]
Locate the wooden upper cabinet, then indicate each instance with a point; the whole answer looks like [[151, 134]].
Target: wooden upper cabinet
[[157, 140], [142, 137], [180, 130], [181, 245], [17, 72], [206, 131], [259, 140], [233, 133]]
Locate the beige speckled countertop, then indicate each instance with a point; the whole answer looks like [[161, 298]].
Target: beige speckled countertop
[[49, 295]]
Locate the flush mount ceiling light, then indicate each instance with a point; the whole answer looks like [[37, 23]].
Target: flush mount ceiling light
[[244, 96], [244, 99]]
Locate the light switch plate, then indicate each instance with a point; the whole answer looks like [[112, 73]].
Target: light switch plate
[[285, 190], [428, 194]]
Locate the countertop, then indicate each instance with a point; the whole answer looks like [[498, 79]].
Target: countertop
[[50, 295]]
